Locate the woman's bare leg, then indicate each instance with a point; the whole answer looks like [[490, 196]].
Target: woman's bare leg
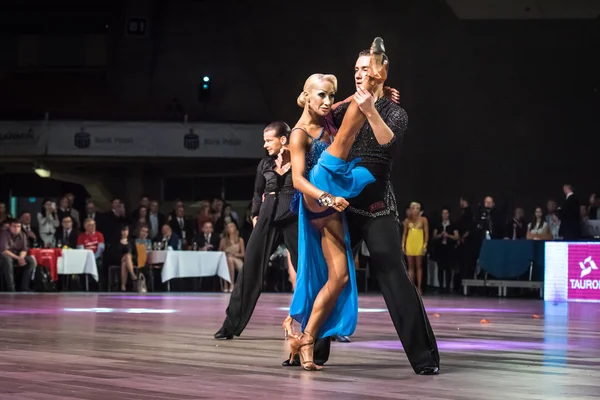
[[291, 272], [344, 139], [231, 266], [123, 274], [419, 274], [129, 263], [411, 268], [334, 250]]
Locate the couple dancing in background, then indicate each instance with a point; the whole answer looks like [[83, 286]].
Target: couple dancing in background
[[325, 301]]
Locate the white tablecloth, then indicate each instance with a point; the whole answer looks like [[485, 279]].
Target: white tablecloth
[[75, 262], [157, 256], [190, 264]]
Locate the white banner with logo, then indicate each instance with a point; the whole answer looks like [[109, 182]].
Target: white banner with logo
[[213, 140], [22, 138], [152, 139], [100, 139]]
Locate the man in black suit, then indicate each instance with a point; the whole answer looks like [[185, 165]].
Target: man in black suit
[[169, 238], [32, 233], [207, 240], [181, 226], [66, 235], [112, 221], [90, 212], [570, 219]]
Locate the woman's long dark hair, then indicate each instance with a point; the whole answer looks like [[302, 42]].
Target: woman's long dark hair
[[534, 220], [43, 210]]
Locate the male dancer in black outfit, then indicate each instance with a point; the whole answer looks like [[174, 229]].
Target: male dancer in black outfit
[[372, 217], [273, 222]]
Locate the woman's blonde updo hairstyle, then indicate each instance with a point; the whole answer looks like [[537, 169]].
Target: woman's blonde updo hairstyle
[[313, 80]]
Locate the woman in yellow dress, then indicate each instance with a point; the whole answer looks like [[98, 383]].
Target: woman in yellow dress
[[414, 242]]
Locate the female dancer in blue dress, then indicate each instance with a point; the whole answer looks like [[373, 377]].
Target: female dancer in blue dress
[[325, 301]]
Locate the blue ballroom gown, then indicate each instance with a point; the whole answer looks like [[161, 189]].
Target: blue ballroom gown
[[338, 178]]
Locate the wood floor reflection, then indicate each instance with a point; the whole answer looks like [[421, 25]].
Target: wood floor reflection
[[88, 346]]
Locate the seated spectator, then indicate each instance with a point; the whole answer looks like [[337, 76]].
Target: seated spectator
[[142, 237], [207, 240], [181, 226], [516, 228], [168, 238], [66, 235], [30, 231], [552, 219], [123, 253], [539, 229], [13, 250], [143, 245], [226, 218], [91, 239], [233, 246]]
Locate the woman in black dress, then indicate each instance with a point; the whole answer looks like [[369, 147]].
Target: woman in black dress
[[123, 254]]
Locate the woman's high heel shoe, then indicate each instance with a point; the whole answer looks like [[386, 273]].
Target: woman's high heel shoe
[[288, 327], [304, 346], [377, 71]]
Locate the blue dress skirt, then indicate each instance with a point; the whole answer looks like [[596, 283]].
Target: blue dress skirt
[[340, 179]]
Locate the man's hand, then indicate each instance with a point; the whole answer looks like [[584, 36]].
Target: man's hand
[[392, 94], [339, 204], [365, 101], [254, 221], [21, 261]]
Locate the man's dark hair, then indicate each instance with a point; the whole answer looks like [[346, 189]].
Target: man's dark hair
[[280, 128], [11, 221], [367, 53]]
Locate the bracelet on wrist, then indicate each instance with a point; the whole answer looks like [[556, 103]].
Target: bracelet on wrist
[[325, 200]]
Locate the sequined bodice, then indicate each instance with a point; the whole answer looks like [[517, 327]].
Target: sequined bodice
[[317, 147]]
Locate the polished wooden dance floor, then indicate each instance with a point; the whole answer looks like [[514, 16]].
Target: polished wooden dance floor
[[88, 346]]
